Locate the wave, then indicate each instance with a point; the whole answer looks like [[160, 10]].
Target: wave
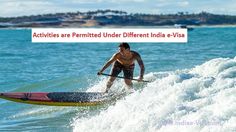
[[202, 98]]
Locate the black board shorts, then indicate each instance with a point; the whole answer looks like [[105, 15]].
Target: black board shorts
[[127, 70]]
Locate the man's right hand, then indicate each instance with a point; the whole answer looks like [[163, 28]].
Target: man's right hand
[[99, 73]]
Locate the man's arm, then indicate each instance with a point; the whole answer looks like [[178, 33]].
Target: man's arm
[[112, 59], [141, 65]]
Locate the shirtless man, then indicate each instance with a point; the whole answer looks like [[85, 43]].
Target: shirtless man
[[123, 61]]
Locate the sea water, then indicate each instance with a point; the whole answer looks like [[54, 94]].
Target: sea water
[[192, 88]]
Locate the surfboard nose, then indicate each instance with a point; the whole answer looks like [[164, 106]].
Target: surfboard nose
[[1, 95]]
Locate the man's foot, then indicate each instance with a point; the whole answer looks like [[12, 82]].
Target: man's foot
[[106, 91]]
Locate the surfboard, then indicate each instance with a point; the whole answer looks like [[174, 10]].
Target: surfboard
[[60, 98]]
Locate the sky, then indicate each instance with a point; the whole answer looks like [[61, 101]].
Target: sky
[[10, 8]]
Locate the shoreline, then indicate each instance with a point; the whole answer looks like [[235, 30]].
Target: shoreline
[[115, 26]]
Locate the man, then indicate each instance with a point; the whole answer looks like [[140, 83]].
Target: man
[[124, 61]]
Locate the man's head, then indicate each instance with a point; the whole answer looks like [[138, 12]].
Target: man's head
[[125, 45], [124, 48]]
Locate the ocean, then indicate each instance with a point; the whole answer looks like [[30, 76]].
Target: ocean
[[192, 88]]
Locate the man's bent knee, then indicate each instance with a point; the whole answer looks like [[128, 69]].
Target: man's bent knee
[[128, 82], [110, 81]]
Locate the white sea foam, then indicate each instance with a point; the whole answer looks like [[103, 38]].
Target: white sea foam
[[199, 99]]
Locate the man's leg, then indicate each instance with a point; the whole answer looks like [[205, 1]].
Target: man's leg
[[109, 83], [128, 74], [129, 83], [116, 69]]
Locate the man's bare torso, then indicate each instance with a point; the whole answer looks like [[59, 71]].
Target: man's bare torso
[[126, 60]]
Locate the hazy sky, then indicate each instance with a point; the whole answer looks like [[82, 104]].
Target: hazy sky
[[32, 7]]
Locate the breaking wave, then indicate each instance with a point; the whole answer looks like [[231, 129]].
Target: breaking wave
[[199, 99]]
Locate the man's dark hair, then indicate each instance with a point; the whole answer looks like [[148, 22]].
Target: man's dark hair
[[125, 45]]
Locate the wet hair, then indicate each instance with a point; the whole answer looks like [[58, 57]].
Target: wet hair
[[125, 45]]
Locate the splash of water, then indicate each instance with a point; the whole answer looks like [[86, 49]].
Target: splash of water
[[199, 99]]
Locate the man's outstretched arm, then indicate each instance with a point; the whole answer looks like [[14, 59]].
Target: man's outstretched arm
[[112, 59]]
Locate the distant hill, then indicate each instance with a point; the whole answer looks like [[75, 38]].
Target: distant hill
[[115, 18]]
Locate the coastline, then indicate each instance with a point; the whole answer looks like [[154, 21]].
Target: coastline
[[118, 19], [115, 26]]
